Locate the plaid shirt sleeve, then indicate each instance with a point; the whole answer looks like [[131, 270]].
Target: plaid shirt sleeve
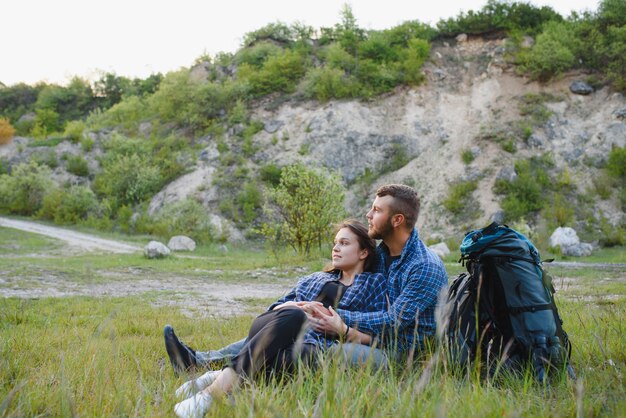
[[307, 288], [419, 292]]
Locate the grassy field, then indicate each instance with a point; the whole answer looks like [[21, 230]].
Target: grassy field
[[103, 355]]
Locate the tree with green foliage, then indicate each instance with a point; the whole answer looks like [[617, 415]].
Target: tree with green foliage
[[304, 205]]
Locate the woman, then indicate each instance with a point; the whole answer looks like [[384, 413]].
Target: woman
[[281, 336]]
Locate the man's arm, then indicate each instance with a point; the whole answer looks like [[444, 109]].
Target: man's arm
[[419, 293]]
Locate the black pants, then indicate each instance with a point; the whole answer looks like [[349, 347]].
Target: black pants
[[270, 345]]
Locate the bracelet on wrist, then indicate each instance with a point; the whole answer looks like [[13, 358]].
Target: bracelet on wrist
[[345, 334]]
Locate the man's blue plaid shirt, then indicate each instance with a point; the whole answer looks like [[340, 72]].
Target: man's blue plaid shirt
[[366, 294], [413, 285]]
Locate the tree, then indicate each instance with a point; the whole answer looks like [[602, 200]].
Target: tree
[[306, 203]]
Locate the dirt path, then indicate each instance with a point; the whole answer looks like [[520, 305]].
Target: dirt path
[[75, 239]]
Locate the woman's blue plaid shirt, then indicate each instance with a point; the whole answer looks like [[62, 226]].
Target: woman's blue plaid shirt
[[366, 294]]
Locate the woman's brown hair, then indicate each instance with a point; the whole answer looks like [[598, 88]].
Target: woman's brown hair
[[365, 243]]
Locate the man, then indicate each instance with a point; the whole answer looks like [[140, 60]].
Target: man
[[415, 277]]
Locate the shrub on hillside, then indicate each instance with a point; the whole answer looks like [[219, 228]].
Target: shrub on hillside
[[616, 164], [327, 83], [24, 190], [46, 122], [552, 53], [412, 60], [527, 193], [74, 130], [256, 55], [128, 179], [77, 165], [69, 206], [186, 217], [279, 73], [6, 131], [171, 102], [459, 200], [126, 114]]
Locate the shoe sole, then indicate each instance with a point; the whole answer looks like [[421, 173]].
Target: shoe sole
[[176, 358]]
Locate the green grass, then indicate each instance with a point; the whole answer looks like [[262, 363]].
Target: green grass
[[17, 243], [104, 356]]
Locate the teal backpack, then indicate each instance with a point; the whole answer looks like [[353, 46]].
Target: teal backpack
[[502, 311]]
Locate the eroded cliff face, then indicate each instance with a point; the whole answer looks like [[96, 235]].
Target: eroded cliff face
[[472, 100]]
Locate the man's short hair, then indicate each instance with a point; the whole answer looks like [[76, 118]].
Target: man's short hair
[[405, 201]]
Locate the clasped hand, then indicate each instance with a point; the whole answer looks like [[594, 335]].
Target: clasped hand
[[322, 319]]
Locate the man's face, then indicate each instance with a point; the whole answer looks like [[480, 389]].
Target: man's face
[[379, 218]]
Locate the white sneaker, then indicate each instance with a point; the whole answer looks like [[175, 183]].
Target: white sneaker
[[195, 407], [190, 388]]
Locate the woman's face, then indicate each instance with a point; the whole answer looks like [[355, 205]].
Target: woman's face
[[347, 253]]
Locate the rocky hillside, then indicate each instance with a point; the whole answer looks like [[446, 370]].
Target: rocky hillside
[[471, 95], [471, 121]]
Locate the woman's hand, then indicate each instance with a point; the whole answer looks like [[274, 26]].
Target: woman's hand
[[311, 308], [330, 323], [290, 304]]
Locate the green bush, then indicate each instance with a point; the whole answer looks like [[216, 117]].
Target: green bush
[[24, 190], [270, 174], [527, 193], [74, 130], [47, 158], [603, 185], [279, 73], [86, 144], [249, 200], [173, 101], [186, 217], [616, 163], [533, 107], [412, 60], [560, 211], [128, 179], [69, 206], [257, 54], [126, 114], [77, 165], [303, 207], [459, 199], [46, 122], [327, 83], [467, 156], [552, 53]]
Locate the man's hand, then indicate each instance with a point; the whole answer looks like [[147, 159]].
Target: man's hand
[[330, 323]]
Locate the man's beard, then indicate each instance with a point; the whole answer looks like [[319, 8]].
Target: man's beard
[[386, 230]]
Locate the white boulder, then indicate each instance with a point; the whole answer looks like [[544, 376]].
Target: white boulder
[[181, 243], [564, 237], [156, 249]]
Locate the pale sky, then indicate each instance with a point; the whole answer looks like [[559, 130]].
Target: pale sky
[[53, 40]]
